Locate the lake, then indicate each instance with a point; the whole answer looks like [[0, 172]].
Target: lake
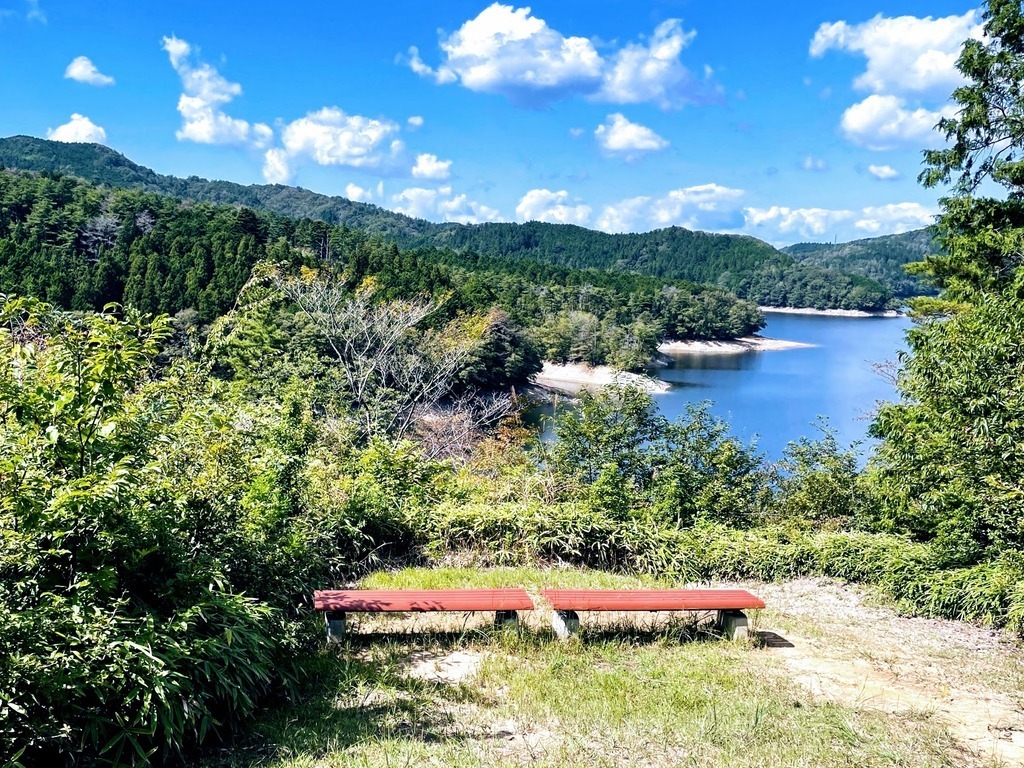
[[778, 396]]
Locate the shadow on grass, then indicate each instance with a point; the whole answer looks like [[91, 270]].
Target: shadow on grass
[[354, 701]]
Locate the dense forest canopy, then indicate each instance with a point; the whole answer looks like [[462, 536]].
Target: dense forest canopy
[[741, 264], [80, 246], [882, 259]]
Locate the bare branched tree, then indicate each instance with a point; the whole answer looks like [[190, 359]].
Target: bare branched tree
[[452, 429], [99, 232], [390, 366]]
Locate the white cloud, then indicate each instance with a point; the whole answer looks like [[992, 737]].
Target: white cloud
[[429, 167], [553, 207], [329, 136], [508, 51], [441, 205], [910, 72], [905, 54], [811, 163], [357, 193], [275, 167], [205, 92], [416, 121], [886, 122], [895, 218], [883, 172], [84, 71], [625, 215], [652, 72], [703, 206], [577, 132], [807, 222], [78, 129], [619, 136]]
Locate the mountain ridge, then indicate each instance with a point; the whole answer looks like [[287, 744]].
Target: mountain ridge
[[739, 263]]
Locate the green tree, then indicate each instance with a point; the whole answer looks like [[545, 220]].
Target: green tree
[[949, 465]]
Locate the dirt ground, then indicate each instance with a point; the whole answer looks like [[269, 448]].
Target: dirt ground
[[844, 647]]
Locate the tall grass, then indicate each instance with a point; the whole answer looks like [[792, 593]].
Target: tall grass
[[573, 533]]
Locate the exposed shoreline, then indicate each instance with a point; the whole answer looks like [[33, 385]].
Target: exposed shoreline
[[829, 312], [570, 378], [731, 347]]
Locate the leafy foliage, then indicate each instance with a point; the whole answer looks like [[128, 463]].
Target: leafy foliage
[[882, 259], [949, 467], [738, 263]]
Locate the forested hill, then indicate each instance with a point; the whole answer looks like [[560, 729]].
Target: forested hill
[[877, 258], [750, 267]]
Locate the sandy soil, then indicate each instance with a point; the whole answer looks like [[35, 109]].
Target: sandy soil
[[828, 312], [843, 649], [737, 346], [571, 378]]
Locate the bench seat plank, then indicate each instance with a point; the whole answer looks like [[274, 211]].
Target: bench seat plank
[[651, 599], [419, 600]]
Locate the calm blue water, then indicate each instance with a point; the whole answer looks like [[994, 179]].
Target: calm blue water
[[777, 396]]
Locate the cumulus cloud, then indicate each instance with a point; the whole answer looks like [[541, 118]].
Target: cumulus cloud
[[205, 93], [619, 136], [910, 72], [883, 172], [359, 194], [807, 222], [554, 207], [703, 206], [442, 205], [886, 122], [814, 223], [429, 167], [275, 167], [416, 121], [78, 129], [508, 51], [84, 71], [651, 71], [330, 136], [905, 54], [895, 218]]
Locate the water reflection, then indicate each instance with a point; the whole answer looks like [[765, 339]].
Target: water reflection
[[776, 397]]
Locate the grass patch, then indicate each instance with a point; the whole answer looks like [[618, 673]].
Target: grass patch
[[614, 696]]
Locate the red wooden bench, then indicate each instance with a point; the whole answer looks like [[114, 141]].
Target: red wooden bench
[[337, 602], [729, 605]]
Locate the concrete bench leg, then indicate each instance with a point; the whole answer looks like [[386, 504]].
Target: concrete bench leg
[[506, 620], [565, 623], [335, 626], [733, 624]]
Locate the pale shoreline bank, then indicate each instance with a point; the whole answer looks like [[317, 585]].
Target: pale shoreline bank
[[829, 312], [731, 347], [570, 378]]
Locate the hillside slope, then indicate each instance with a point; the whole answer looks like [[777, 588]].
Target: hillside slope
[[749, 266], [876, 258]]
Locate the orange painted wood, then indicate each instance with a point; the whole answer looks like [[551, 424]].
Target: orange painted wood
[[390, 600], [651, 599]]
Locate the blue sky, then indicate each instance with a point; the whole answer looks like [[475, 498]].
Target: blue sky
[[789, 122]]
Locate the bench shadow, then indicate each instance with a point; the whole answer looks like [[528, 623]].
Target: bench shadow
[[357, 702], [771, 640]]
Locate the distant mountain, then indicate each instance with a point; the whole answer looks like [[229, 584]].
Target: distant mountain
[[877, 258], [749, 266]]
